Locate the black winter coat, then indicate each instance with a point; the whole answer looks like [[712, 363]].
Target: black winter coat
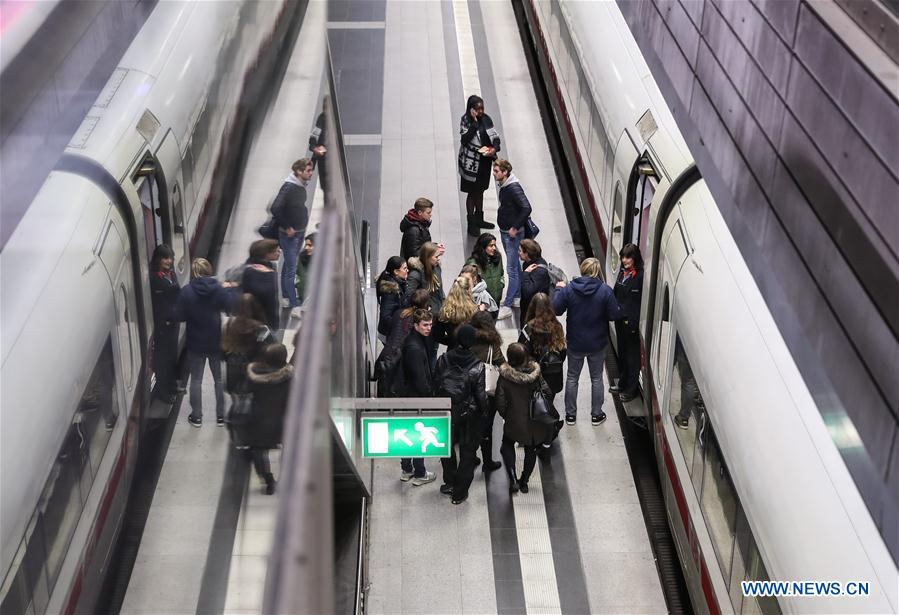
[[261, 280], [164, 288], [391, 293], [201, 304], [533, 282], [628, 294], [417, 375], [270, 388], [460, 376], [513, 402], [416, 280], [289, 207], [415, 233], [514, 207], [236, 361]]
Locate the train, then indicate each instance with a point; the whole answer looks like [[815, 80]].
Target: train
[[152, 162], [754, 484]]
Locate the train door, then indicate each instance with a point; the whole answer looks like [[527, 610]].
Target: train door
[[640, 199], [168, 158]]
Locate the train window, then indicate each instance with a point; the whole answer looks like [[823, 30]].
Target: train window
[[684, 404], [42, 551], [125, 341], [617, 215], [742, 544], [179, 241], [663, 337], [639, 226], [596, 151], [719, 503], [585, 110], [756, 572]]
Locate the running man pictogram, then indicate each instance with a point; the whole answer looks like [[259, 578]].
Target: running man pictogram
[[428, 437]]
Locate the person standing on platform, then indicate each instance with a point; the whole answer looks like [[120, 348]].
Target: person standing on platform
[[164, 288], [479, 292], [425, 272], [269, 381], [457, 310], [629, 293], [486, 256], [304, 263], [418, 378], [514, 211], [460, 376], [488, 346], [590, 304], [260, 279], [391, 291], [201, 304], [291, 216], [534, 275], [478, 148], [543, 336], [415, 227], [518, 379]]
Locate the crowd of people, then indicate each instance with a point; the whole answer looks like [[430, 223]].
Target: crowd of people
[[257, 374], [418, 314]]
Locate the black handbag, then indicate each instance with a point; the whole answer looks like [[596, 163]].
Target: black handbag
[[551, 364], [540, 410], [239, 419], [269, 229], [531, 230]]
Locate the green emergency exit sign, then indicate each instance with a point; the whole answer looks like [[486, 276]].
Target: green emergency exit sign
[[406, 435]]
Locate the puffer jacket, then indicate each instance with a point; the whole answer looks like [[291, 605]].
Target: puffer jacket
[[270, 388], [514, 207], [460, 376], [391, 293], [416, 280], [493, 275], [415, 232], [513, 402]]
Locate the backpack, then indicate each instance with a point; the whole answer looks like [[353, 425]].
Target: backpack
[[556, 275], [459, 390], [235, 274]]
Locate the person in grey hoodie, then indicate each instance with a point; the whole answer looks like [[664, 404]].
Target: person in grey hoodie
[[590, 304], [514, 210]]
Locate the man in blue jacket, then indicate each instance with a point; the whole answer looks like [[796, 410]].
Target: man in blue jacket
[[514, 210], [201, 304], [590, 304]]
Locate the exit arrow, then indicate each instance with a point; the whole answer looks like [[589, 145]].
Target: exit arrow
[[400, 434]]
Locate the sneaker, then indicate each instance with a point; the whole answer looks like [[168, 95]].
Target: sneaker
[[504, 312], [613, 388], [516, 302], [446, 489], [458, 501], [194, 422], [681, 421], [285, 302], [406, 476], [424, 480], [220, 421], [598, 419], [570, 419]]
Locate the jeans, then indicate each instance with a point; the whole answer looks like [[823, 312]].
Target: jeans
[[197, 363], [513, 266], [575, 365], [416, 466], [467, 434], [290, 249]]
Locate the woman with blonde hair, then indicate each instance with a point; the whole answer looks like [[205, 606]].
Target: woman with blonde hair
[[457, 310]]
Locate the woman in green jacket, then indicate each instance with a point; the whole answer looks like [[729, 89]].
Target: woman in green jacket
[[487, 257]]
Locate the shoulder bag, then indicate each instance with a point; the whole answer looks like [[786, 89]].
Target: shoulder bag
[[491, 373], [539, 410]]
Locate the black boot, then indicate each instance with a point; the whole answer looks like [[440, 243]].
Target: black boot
[[487, 454], [473, 229], [269, 479], [483, 223]]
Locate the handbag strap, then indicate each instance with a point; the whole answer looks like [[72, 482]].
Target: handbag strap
[[490, 355]]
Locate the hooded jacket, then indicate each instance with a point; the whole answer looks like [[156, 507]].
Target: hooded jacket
[[514, 207], [201, 304], [391, 293], [590, 304], [289, 207], [481, 295], [513, 402], [416, 280], [533, 282], [492, 274], [261, 280], [460, 375], [415, 233], [270, 387]]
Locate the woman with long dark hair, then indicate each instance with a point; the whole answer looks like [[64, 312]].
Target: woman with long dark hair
[[629, 292], [391, 291], [164, 288], [244, 336], [543, 336], [486, 255], [425, 272], [479, 145]]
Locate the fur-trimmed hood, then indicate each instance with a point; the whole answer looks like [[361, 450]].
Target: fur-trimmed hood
[[527, 374], [415, 263], [389, 285], [260, 373]]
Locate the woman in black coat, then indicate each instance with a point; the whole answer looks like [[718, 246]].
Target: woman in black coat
[[243, 338], [269, 380], [534, 274], [629, 293], [164, 288], [261, 280], [477, 151], [518, 379], [391, 292]]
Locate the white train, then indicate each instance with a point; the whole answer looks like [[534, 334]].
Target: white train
[[148, 165], [755, 486]]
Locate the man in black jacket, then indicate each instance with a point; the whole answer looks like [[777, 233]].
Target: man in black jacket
[[291, 216], [460, 375], [415, 227], [514, 210], [419, 383], [534, 277]]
